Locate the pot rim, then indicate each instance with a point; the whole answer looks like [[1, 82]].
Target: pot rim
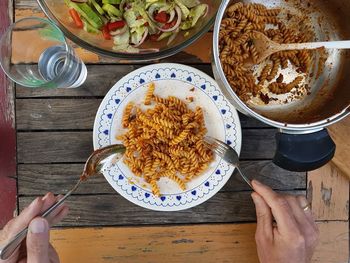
[[243, 107]]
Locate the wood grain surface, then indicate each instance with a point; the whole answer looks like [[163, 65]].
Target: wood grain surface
[[177, 244], [99, 81], [76, 146], [37, 179], [115, 210], [329, 193], [341, 136]]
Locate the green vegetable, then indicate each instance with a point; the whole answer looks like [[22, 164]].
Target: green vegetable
[[164, 35], [137, 35], [184, 10], [190, 3], [113, 2], [138, 17], [86, 12], [88, 27], [97, 7], [112, 10], [197, 12]]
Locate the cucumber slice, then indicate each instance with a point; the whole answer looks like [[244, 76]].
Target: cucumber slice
[[112, 10], [113, 2]]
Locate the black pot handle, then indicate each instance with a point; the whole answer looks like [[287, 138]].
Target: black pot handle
[[303, 152]]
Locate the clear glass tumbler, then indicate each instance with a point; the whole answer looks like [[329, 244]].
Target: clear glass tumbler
[[34, 53]]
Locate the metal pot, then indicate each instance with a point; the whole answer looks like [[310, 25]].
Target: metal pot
[[303, 142]]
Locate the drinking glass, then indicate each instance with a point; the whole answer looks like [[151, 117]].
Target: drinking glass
[[35, 54]]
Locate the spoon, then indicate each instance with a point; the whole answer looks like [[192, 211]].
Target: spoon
[[265, 47], [96, 163]]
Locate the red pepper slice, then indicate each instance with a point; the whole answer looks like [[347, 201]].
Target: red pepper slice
[[115, 25], [105, 32], [161, 17], [76, 18], [169, 25]]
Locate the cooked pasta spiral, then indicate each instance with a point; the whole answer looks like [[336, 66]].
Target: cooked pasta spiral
[[165, 141], [236, 45]]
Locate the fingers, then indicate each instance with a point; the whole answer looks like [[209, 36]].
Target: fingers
[[264, 219], [307, 226], [56, 215], [300, 215], [53, 256], [37, 207], [303, 203], [308, 213], [279, 207], [22, 221], [38, 241]]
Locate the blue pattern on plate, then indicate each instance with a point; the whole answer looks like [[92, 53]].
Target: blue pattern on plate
[[191, 196]]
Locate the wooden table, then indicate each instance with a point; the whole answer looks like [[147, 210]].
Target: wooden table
[[53, 129]]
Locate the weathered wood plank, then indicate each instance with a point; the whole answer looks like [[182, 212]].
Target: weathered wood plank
[[334, 243], [99, 81], [53, 147], [73, 147], [72, 113], [206, 243], [38, 179], [56, 114], [107, 210], [199, 52], [328, 193], [340, 134], [178, 244], [8, 187]]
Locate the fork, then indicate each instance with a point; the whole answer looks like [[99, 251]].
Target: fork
[[98, 161], [228, 154]]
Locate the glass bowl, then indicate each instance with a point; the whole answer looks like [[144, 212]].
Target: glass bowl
[[58, 12]]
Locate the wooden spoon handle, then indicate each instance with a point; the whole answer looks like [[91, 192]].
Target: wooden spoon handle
[[312, 45]]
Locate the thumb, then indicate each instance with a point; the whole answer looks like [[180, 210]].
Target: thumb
[[263, 216], [38, 241]]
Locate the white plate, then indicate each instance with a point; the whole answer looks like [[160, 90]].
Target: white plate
[[221, 120]]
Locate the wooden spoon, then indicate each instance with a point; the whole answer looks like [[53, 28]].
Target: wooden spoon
[[266, 47]]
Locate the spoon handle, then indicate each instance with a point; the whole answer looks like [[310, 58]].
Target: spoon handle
[[312, 45], [7, 250]]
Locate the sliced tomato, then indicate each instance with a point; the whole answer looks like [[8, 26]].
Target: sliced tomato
[[116, 25], [76, 18], [161, 17], [105, 32]]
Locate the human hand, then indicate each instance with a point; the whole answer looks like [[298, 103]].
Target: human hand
[[36, 248], [294, 236]]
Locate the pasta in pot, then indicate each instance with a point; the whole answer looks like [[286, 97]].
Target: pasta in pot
[[165, 141], [236, 45]]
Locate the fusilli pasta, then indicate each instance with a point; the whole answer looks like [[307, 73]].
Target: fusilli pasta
[[236, 44], [165, 141]]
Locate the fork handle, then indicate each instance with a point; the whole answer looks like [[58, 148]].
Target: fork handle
[[244, 177]]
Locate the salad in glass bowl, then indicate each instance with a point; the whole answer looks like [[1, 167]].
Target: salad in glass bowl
[[132, 30], [129, 23]]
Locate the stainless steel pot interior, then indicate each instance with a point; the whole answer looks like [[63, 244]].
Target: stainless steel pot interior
[[330, 92]]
